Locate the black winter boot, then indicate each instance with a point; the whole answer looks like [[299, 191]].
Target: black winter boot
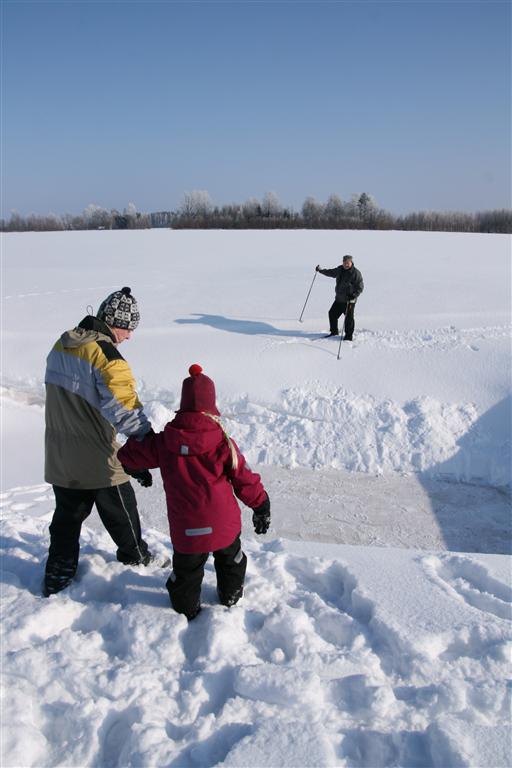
[[194, 613], [138, 556], [147, 559], [184, 583], [231, 599], [230, 566], [59, 574]]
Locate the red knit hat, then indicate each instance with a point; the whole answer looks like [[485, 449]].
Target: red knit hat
[[198, 392]]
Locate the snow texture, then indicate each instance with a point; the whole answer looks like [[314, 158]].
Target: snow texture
[[375, 628]]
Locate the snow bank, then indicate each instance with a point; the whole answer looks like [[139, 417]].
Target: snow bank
[[320, 426]]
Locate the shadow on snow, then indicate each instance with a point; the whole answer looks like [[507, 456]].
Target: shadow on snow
[[246, 327], [483, 464]]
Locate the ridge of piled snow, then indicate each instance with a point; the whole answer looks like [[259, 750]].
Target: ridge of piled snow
[[316, 425]]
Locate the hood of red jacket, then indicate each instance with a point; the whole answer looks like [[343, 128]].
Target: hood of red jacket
[[190, 434]]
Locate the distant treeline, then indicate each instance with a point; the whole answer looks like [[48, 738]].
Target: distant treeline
[[197, 211]]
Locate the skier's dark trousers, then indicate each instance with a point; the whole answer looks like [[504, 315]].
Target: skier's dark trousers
[[349, 285], [337, 309], [90, 397]]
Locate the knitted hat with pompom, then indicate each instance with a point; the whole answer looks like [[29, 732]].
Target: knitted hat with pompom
[[120, 310], [198, 392]]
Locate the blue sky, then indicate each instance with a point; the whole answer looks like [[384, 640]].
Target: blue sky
[[114, 102]]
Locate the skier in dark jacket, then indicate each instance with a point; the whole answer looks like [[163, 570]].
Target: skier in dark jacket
[[202, 470], [349, 285]]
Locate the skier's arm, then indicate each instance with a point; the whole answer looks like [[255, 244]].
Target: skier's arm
[[358, 284], [140, 454], [329, 272]]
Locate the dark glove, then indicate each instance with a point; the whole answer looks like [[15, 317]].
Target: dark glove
[[351, 298], [142, 476], [140, 438], [261, 517], [317, 268]]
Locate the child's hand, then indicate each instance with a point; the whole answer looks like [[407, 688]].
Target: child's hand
[[142, 476], [261, 517]]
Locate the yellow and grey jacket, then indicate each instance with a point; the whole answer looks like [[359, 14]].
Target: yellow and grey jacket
[[90, 397]]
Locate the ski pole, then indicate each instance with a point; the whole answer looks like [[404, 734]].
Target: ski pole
[[307, 297], [343, 329]]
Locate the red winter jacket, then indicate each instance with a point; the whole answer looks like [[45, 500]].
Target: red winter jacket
[[199, 479]]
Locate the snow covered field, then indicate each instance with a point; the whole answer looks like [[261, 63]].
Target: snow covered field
[[375, 627]]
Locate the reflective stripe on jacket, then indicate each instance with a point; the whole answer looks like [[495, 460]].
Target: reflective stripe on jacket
[[90, 396]]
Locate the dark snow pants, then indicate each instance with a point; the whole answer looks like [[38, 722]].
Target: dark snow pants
[[342, 308], [117, 508], [184, 583]]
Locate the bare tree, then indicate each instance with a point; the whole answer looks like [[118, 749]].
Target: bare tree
[[251, 208], [196, 203], [270, 205], [334, 210], [130, 210], [313, 212], [96, 217]]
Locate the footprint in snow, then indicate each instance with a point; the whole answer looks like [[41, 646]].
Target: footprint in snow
[[472, 582]]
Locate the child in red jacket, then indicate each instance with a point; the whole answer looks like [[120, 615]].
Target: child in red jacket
[[201, 468]]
